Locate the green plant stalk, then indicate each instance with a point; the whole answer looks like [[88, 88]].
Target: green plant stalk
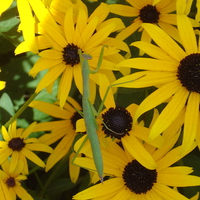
[[21, 110]]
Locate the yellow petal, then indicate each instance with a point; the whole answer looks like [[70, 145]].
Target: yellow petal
[[170, 113], [2, 85], [164, 41], [22, 193], [111, 186], [187, 34], [191, 121], [137, 150], [60, 151], [69, 25], [150, 64], [123, 10], [65, 85], [146, 79], [50, 77], [28, 24], [129, 30], [152, 50], [5, 5], [157, 97], [31, 156]]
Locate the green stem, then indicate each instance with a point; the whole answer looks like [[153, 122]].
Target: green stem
[[21, 110]]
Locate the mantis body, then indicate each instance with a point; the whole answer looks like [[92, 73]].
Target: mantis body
[[88, 111]]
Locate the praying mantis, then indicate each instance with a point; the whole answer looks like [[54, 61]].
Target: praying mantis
[[88, 110], [88, 113]]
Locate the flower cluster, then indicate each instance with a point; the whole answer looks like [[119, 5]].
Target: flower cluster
[[101, 99]]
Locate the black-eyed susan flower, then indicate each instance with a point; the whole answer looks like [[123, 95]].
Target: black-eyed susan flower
[[62, 59], [148, 11], [117, 123], [18, 145], [11, 181], [62, 129], [175, 71], [131, 180]]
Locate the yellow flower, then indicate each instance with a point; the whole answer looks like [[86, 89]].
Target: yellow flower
[[129, 179], [148, 11], [19, 146], [176, 73], [62, 60], [11, 181], [62, 129]]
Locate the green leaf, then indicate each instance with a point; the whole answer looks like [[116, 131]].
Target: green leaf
[[6, 108], [59, 186], [9, 22], [9, 19]]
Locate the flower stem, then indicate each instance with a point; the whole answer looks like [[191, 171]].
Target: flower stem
[[21, 110]]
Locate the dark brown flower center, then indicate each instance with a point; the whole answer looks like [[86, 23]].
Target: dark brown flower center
[[16, 144], [11, 182], [117, 122], [189, 72], [138, 178], [70, 55], [149, 14], [76, 116]]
